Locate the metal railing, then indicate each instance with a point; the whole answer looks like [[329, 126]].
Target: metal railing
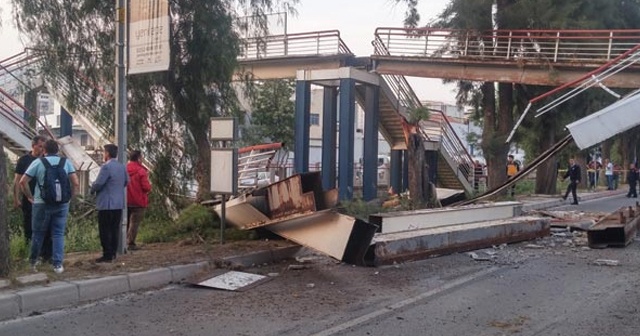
[[302, 44], [557, 46], [437, 128], [581, 84]]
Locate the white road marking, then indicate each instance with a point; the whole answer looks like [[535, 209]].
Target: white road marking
[[401, 304]]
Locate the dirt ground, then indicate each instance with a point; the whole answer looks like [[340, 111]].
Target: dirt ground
[[81, 265]]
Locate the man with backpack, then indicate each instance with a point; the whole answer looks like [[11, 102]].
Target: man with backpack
[[109, 188], [56, 184], [20, 200]]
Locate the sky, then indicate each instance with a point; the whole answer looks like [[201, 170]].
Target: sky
[[355, 19]]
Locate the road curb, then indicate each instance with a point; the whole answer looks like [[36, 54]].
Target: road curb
[[61, 294], [552, 203]]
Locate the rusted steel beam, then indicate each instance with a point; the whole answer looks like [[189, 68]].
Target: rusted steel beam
[[616, 229]]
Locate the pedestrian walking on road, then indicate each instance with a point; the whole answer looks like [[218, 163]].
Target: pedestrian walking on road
[[632, 178], [573, 173], [137, 196], [57, 184], [109, 188], [20, 199]]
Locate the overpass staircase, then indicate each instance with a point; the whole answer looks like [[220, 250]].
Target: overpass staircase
[[22, 73], [326, 50]]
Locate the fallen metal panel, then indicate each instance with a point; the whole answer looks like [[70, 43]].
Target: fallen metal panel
[[420, 244], [617, 229], [287, 197], [342, 237], [430, 218], [602, 125], [233, 281]]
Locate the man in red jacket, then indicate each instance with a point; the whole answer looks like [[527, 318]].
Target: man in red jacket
[[137, 196]]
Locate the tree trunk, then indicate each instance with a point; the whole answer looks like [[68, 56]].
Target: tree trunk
[[5, 258], [203, 168], [494, 149], [419, 188], [547, 172]]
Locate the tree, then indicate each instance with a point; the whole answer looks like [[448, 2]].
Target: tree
[[169, 112], [273, 116], [419, 183], [5, 256], [497, 102]]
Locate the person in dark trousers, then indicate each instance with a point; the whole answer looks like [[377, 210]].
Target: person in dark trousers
[[632, 179], [513, 167], [478, 172], [109, 188], [20, 200], [573, 173], [137, 196]]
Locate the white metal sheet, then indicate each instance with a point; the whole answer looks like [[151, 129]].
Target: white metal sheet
[[602, 125], [233, 281]]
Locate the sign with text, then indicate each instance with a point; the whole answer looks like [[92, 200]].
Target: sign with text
[[149, 27]]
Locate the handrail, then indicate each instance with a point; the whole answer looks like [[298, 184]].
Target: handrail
[[581, 84], [446, 136], [325, 42], [24, 108], [536, 46]]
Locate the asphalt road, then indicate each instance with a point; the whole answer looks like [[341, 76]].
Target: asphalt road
[[551, 286]]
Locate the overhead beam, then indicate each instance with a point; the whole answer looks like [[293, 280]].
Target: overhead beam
[[530, 74]]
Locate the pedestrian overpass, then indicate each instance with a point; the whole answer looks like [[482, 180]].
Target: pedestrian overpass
[[534, 57], [376, 82]]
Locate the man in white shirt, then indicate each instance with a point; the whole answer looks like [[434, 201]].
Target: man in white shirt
[[608, 173]]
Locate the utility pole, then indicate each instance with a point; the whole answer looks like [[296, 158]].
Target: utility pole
[[121, 105]]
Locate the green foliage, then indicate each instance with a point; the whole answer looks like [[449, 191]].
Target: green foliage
[[173, 108], [273, 114], [195, 220], [360, 209], [418, 113]]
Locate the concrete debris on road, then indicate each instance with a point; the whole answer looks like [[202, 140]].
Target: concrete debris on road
[[607, 262], [233, 281]]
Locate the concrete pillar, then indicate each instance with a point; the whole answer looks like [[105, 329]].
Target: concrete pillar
[[302, 120], [329, 136], [370, 155], [396, 171], [66, 123], [346, 138]]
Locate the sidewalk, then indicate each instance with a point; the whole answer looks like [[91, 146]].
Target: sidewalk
[[40, 293]]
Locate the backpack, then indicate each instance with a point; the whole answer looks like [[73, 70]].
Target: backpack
[[56, 188]]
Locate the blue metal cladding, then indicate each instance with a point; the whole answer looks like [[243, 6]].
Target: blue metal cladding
[[346, 138], [370, 156], [66, 123], [302, 120], [396, 171], [329, 136]]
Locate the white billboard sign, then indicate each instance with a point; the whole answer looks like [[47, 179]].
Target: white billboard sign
[[149, 25], [224, 171]]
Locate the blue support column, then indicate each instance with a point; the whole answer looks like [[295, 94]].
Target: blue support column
[[302, 120], [370, 155], [346, 138], [329, 134], [66, 123], [396, 171], [405, 170]]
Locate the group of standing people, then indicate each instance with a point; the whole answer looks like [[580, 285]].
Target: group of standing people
[[44, 184]]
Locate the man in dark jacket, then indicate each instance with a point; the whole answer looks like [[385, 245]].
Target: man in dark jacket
[[573, 173], [632, 179], [137, 199]]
